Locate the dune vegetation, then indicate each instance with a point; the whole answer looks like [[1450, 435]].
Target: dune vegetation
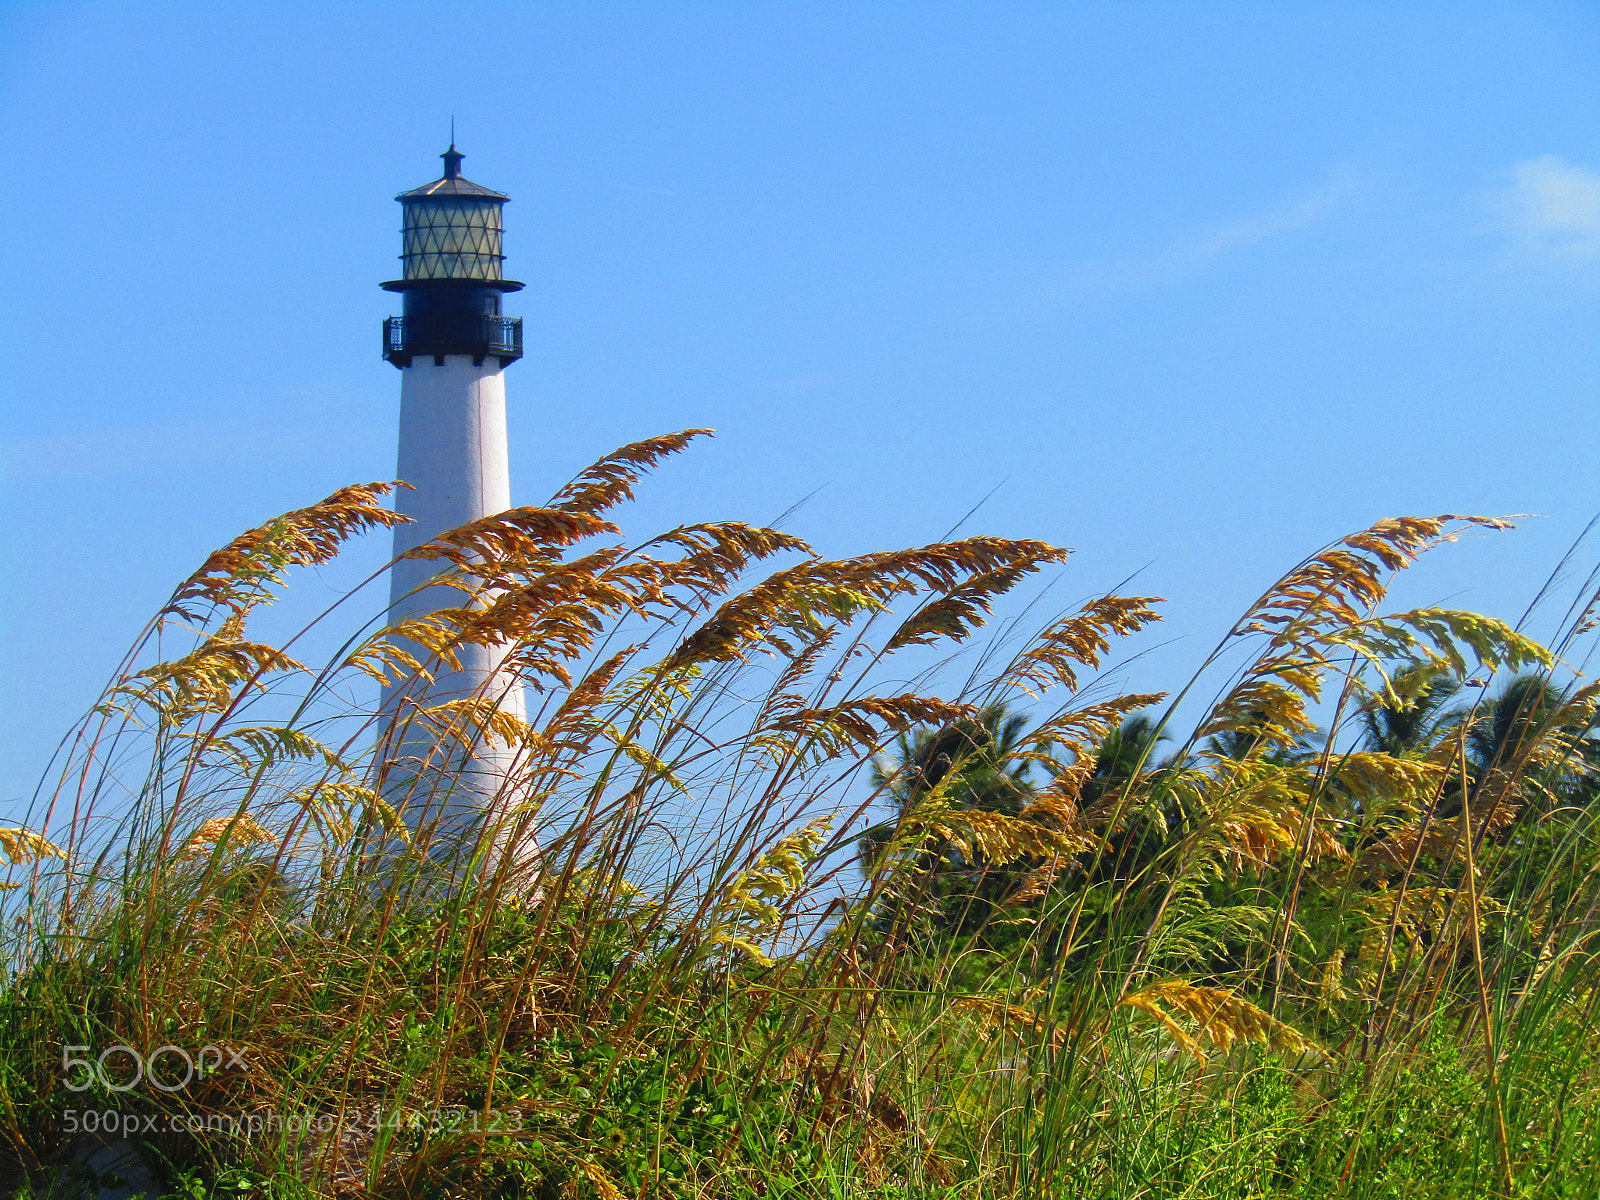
[[754, 916]]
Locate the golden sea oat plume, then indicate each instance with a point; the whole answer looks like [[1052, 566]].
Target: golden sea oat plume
[[1320, 610], [804, 598], [236, 832], [610, 481], [236, 577], [1220, 1017], [1082, 639], [25, 846]]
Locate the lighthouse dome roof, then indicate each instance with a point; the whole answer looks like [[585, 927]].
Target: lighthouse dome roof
[[452, 183]]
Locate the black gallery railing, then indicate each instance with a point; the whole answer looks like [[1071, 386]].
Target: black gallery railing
[[477, 336]]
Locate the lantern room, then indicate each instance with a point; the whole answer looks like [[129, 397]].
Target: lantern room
[[452, 227], [451, 273]]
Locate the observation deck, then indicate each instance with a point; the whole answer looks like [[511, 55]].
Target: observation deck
[[480, 336]]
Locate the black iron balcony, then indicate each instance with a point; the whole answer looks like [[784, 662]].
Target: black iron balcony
[[481, 337]]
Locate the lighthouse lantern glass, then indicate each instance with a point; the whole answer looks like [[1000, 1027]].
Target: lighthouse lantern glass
[[452, 237]]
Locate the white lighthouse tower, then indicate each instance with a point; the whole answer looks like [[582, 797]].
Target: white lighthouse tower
[[452, 345]]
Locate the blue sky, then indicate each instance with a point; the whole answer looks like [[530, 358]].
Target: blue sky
[[1192, 288]]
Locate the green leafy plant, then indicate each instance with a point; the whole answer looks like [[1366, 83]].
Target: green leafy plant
[[747, 914]]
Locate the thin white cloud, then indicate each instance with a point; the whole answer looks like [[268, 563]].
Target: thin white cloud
[[1251, 230], [1146, 272], [1550, 212]]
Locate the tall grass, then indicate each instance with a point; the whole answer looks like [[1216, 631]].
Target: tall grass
[[748, 918]]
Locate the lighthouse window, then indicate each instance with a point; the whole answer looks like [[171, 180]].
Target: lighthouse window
[[452, 239]]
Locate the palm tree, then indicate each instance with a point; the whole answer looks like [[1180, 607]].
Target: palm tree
[[980, 764], [1411, 718], [1531, 747], [975, 763], [1527, 750], [1530, 736], [1124, 754]]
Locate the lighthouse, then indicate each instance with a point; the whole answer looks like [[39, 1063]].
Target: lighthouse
[[452, 345]]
